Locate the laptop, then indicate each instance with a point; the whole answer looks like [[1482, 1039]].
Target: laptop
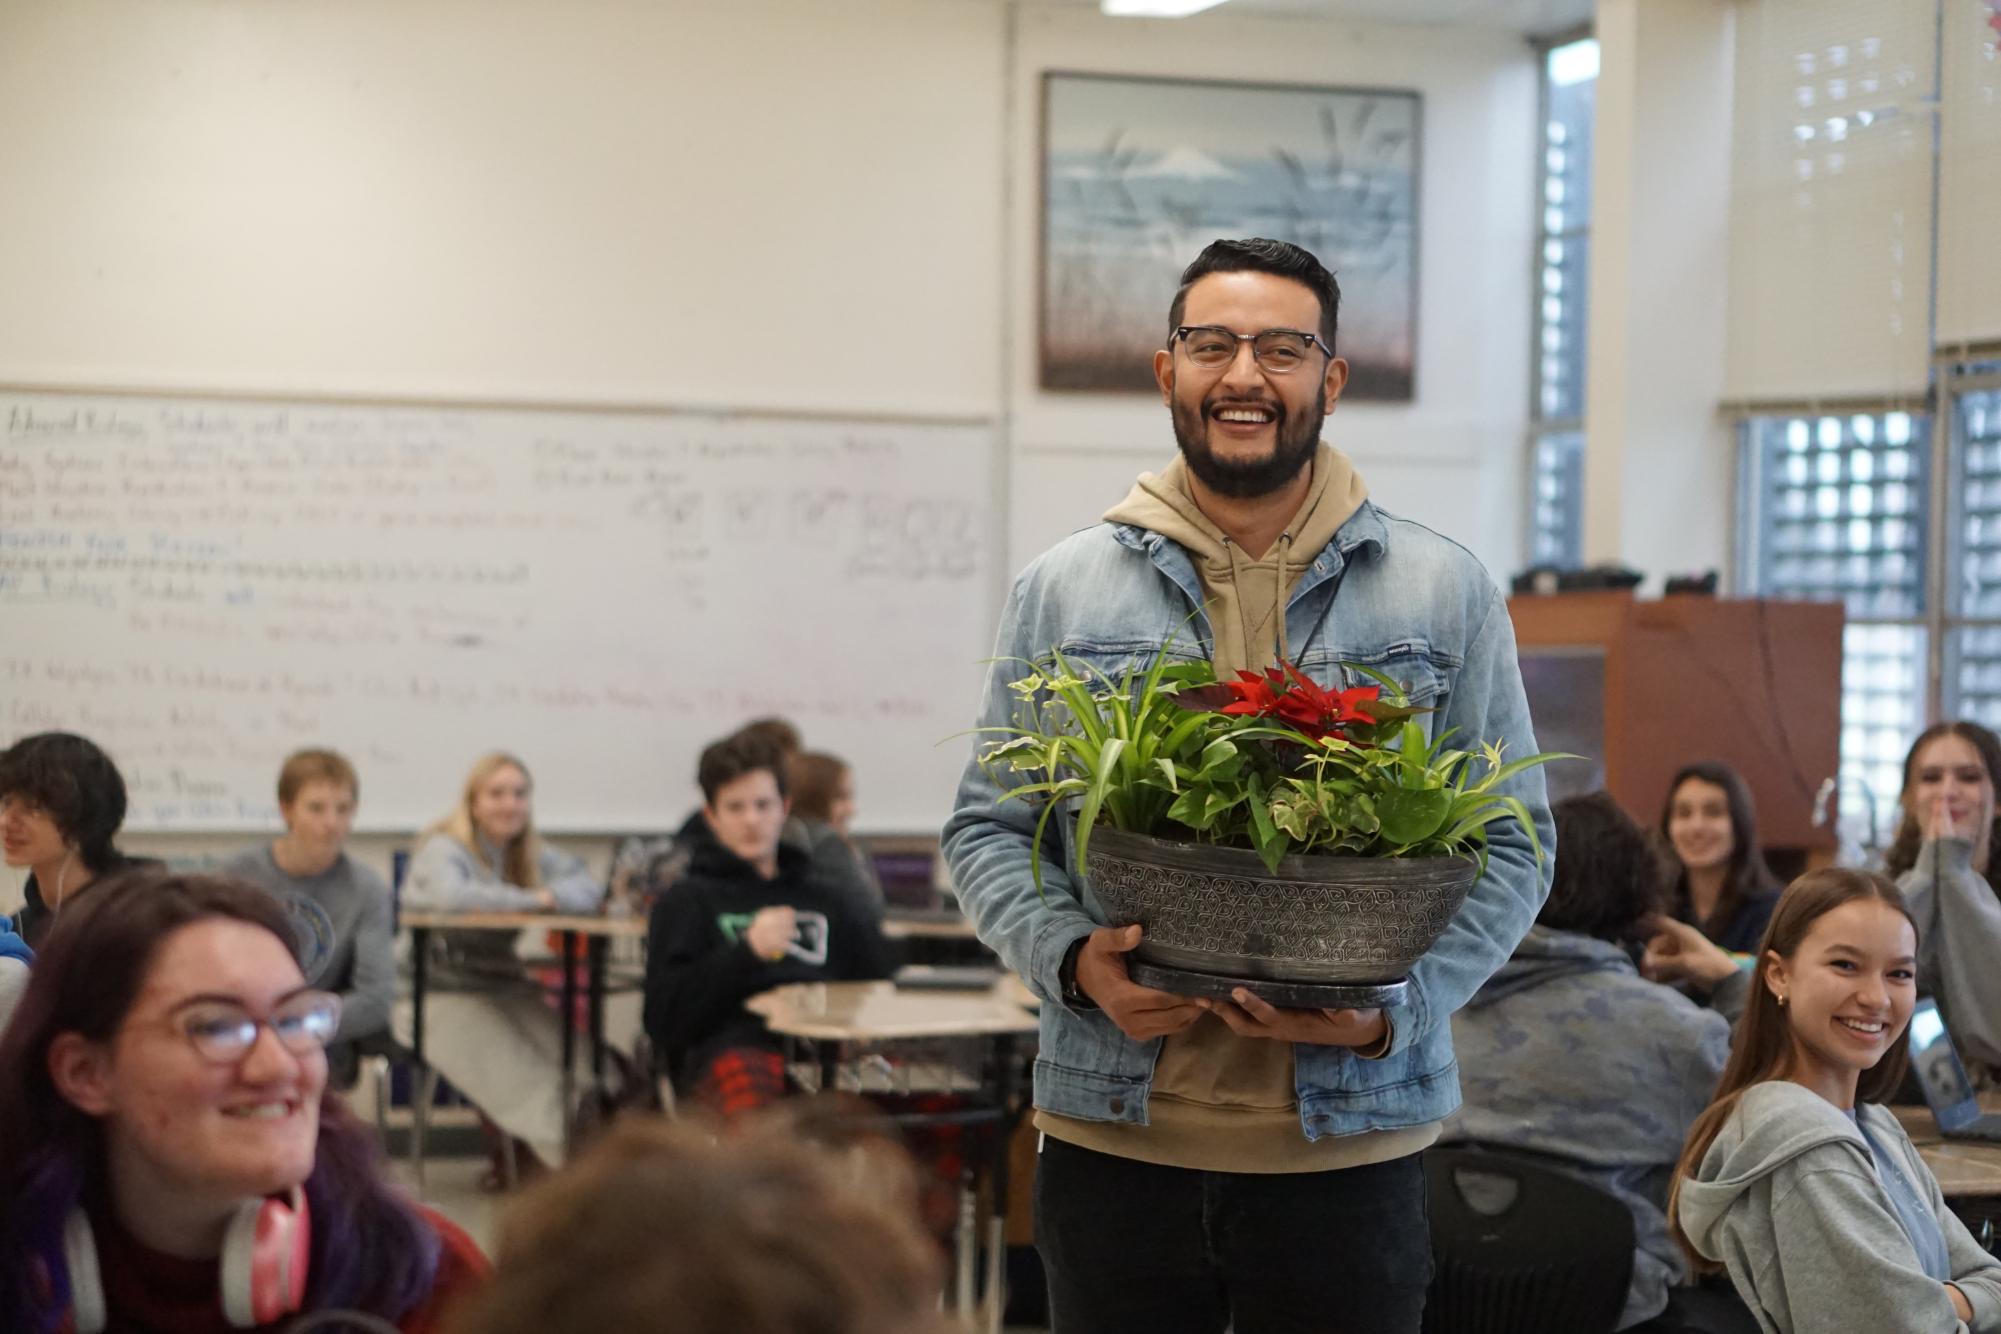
[[1935, 1063]]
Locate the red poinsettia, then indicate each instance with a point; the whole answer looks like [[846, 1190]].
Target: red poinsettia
[[1288, 695]]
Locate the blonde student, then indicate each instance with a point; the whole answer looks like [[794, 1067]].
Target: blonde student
[[1796, 1180], [489, 1029]]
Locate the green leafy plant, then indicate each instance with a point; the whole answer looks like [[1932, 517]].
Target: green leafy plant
[[1271, 761]]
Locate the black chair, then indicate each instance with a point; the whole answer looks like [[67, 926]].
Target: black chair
[[1522, 1247]]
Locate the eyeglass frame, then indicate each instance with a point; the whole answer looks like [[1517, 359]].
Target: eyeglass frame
[[174, 1022], [1181, 332]]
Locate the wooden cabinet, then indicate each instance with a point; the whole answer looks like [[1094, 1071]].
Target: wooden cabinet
[[1644, 687]]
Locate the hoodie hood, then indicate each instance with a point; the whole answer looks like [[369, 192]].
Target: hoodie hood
[[1547, 954], [1245, 595], [1774, 1123]]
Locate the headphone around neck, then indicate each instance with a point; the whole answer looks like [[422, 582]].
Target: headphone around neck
[[263, 1269]]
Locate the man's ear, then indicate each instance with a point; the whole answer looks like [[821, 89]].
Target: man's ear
[[1336, 381], [81, 1072], [1163, 374]]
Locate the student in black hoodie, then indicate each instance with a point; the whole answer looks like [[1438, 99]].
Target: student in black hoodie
[[751, 913], [61, 803]]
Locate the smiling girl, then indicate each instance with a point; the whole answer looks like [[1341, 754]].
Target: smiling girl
[[1795, 1180], [170, 1159], [1943, 860]]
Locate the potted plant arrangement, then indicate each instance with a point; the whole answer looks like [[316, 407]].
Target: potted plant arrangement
[[1265, 831]]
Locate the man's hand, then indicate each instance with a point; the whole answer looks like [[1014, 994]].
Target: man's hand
[[1140, 1012], [770, 932], [1679, 952], [1253, 1018]]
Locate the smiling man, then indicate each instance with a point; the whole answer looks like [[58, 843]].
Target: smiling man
[[1209, 1165]]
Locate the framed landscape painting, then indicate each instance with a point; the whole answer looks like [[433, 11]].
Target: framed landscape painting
[[1139, 174]]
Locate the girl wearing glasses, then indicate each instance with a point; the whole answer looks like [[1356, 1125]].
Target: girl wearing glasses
[[170, 1158]]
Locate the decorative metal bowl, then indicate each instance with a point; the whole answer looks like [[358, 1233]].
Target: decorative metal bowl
[[1344, 921]]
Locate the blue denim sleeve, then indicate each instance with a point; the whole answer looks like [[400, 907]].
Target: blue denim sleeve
[[1485, 703], [990, 845]]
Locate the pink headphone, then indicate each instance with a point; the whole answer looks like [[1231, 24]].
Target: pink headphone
[[263, 1264]]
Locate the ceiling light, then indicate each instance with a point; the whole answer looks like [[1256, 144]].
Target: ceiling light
[[1156, 9]]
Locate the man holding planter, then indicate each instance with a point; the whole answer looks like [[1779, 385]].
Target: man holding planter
[[1222, 1161]]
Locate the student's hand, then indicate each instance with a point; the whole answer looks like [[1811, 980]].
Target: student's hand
[[1940, 826], [545, 900], [1140, 1012], [770, 932], [1679, 952], [1251, 1017], [1960, 1306]]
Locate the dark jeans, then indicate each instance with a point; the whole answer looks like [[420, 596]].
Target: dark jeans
[[1131, 1248]]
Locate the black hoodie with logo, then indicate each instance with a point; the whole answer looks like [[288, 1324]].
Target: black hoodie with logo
[[699, 970]]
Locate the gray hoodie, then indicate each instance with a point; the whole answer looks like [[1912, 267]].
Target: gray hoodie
[[1959, 932], [1788, 1199], [1568, 1052]]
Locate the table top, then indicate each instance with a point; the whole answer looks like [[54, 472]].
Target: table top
[[936, 928], [879, 1011], [1963, 1167], [524, 921]]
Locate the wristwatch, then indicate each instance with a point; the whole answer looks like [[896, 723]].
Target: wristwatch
[[1066, 976]]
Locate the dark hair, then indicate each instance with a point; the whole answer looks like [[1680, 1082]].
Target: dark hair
[[1762, 1046], [775, 732], [1745, 875], [370, 1250], [1607, 880], [734, 756], [815, 780], [1903, 853], [1259, 255], [76, 783], [664, 1226]]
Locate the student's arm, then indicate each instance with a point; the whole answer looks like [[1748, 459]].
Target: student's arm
[[1485, 703], [696, 977], [867, 955], [365, 1006], [442, 878], [1975, 1273], [1844, 1261], [565, 876]]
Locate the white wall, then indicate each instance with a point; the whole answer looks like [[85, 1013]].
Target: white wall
[[778, 204], [1454, 457]]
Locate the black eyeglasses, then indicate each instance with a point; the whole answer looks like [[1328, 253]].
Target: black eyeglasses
[[1277, 350]]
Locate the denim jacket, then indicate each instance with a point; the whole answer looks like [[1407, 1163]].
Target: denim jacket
[[1386, 593]]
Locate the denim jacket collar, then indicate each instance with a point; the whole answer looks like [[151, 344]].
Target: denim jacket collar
[[1364, 528]]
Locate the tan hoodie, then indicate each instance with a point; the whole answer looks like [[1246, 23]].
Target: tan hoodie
[[1219, 1102]]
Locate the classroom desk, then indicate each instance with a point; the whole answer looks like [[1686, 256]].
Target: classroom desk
[[1963, 1167], [597, 932], [819, 1019]]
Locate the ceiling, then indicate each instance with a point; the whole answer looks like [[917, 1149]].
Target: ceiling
[[1524, 16]]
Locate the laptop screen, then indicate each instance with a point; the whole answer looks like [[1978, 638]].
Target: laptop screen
[[1937, 1067]]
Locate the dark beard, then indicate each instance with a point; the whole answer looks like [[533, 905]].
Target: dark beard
[[1294, 447]]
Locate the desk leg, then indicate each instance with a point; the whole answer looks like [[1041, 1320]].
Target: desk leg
[[598, 948], [421, 1087], [829, 1053], [569, 1039], [998, 1170]]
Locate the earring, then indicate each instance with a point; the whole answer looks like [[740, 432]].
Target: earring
[[1782, 1000]]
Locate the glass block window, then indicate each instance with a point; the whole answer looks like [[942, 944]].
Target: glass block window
[[1836, 510], [1839, 507], [1973, 634], [1563, 253], [1557, 476]]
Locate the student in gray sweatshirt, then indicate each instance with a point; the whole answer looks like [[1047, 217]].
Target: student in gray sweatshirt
[[1795, 1180], [1569, 1053], [489, 1028], [339, 908]]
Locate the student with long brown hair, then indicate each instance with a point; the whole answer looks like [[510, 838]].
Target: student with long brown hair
[[1796, 1180], [1943, 858], [1720, 892]]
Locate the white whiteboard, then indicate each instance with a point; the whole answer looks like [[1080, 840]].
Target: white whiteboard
[[201, 585]]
